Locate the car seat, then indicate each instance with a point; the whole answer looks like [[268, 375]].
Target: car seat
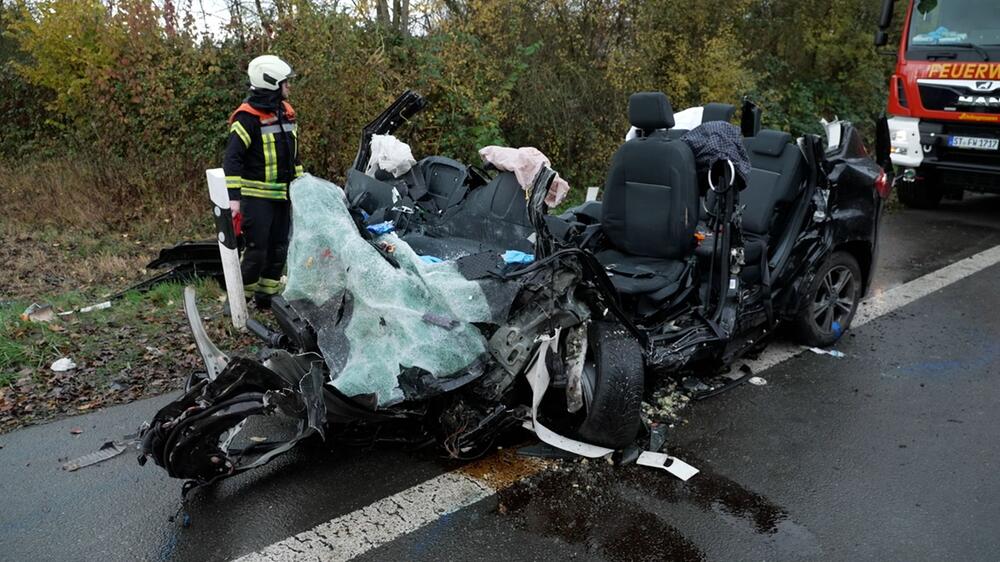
[[710, 112], [650, 206], [776, 180], [437, 183], [493, 217]]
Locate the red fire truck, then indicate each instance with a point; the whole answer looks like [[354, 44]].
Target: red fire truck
[[944, 99]]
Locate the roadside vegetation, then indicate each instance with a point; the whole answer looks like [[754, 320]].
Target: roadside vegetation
[[114, 109], [137, 348]]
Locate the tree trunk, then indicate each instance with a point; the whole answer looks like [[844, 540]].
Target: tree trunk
[[236, 18], [262, 15], [403, 17], [382, 13]]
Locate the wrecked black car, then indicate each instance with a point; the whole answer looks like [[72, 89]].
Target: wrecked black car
[[445, 305]]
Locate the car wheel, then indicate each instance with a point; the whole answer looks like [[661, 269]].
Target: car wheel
[[613, 391], [920, 194], [829, 306]]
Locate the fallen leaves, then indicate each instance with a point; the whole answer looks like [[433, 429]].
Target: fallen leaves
[[118, 359]]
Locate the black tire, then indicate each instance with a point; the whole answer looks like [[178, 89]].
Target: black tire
[[920, 194], [833, 296], [612, 417]]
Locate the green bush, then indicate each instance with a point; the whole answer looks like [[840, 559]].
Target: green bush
[[140, 99]]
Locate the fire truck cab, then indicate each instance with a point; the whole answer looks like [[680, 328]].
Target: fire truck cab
[[944, 99]]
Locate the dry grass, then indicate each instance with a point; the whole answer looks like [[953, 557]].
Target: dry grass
[[42, 262], [81, 224], [74, 231], [139, 347], [96, 194]]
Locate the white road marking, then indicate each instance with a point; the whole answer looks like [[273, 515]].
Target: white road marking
[[903, 295], [355, 533]]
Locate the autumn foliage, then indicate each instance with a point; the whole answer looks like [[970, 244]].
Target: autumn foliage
[[131, 96]]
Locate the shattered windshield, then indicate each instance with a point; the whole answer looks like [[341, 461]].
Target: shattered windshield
[[961, 24], [382, 325]]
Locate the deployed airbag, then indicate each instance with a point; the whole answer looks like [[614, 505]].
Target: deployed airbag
[[526, 162]]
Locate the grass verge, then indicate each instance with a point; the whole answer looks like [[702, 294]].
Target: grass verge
[[139, 347]]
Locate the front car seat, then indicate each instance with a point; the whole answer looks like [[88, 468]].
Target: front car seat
[[650, 205]]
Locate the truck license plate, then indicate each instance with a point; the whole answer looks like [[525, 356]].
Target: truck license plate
[[975, 143]]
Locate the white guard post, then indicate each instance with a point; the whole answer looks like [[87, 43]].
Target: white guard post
[[228, 249]]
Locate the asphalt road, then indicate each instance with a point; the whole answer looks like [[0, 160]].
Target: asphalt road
[[887, 454]]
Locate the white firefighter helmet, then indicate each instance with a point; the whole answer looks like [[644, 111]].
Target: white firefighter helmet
[[267, 72]]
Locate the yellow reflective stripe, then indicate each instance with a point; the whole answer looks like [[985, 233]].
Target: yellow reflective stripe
[[262, 193], [233, 182], [299, 170], [239, 130], [262, 184], [268, 286], [270, 159], [262, 290]]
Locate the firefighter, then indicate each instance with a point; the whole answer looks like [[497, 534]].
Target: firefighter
[[262, 158]]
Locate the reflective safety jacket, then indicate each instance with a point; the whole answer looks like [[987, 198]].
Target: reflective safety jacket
[[262, 154]]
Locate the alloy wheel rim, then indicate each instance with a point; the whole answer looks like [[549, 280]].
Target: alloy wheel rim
[[834, 301]]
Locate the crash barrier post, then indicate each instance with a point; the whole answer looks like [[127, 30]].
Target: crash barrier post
[[228, 248]]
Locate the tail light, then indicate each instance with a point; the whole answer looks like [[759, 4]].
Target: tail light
[[882, 185]]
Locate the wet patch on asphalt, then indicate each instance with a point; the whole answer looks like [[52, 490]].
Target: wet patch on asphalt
[[612, 510]]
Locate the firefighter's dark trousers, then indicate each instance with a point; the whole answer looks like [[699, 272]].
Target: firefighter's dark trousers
[[266, 224]]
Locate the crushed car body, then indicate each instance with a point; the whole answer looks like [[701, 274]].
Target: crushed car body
[[402, 320]]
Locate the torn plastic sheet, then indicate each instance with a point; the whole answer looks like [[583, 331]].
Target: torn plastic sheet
[[673, 465], [369, 315], [518, 257], [108, 450], [384, 227], [538, 379]]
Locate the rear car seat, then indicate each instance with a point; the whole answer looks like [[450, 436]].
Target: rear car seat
[[590, 211], [776, 179], [493, 218], [445, 182]]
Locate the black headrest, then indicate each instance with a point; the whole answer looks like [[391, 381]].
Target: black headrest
[[718, 112], [649, 111], [769, 142]]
